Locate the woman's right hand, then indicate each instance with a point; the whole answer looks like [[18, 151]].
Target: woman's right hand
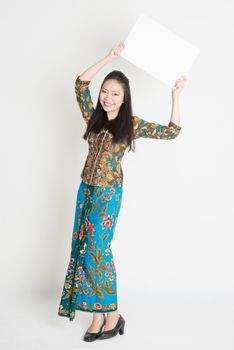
[[116, 50]]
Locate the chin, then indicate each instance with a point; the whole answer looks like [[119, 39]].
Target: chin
[[107, 108]]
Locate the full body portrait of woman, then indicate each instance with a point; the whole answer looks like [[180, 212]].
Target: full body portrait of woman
[[91, 280]]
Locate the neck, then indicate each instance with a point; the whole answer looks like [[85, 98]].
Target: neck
[[111, 116]]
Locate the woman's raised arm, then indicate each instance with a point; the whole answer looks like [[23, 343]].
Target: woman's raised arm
[[82, 82], [115, 52], [143, 128]]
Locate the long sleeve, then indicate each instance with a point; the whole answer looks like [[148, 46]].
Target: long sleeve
[[84, 98], [143, 128]]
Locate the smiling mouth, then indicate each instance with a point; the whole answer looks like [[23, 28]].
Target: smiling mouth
[[107, 105]]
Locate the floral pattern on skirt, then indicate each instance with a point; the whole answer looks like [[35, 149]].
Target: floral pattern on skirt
[[90, 282]]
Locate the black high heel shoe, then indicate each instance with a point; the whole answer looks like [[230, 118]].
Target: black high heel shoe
[[119, 328], [93, 336]]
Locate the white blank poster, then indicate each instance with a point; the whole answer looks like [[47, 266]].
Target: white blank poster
[[158, 51]]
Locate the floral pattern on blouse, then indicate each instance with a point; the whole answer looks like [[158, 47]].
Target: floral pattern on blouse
[[103, 163]]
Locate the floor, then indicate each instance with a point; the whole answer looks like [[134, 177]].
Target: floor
[[160, 320]]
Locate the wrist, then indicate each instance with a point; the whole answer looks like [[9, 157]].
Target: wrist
[[175, 97], [107, 58]]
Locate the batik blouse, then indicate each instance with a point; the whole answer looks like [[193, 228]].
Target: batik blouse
[[103, 162]]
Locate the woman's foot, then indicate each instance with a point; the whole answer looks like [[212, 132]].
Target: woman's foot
[[111, 320], [98, 319], [118, 328]]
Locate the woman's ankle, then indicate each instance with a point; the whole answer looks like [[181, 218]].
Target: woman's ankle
[[112, 314], [98, 316]]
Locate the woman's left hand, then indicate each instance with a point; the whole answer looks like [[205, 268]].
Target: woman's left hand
[[179, 85]]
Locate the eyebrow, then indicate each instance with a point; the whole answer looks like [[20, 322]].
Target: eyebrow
[[112, 90]]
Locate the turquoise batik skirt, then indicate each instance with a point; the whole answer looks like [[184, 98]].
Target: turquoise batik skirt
[[90, 282]]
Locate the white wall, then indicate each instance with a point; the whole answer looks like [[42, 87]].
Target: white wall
[[175, 228]]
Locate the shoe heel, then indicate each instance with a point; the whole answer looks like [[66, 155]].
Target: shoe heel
[[121, 330]]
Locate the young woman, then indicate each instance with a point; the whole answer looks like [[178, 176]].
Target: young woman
[[90, 283]]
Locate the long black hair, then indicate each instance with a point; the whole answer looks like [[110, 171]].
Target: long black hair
[[121, 127]]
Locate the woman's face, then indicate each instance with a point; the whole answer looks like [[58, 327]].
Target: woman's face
[[111, 97]]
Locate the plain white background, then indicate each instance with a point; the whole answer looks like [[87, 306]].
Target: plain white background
[[173, 244]]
